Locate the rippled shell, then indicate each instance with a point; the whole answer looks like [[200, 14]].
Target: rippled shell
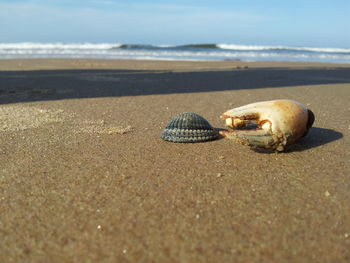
[[189, 127]]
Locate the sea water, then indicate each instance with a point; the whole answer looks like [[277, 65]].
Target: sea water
[[197, 52]]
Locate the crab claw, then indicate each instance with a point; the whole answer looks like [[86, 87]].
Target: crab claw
[[268, 124]]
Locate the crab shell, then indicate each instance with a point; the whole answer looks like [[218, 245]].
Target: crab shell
[[278, 123]]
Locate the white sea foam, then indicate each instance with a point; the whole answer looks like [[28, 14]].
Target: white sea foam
[[246, 47], [260, 48]]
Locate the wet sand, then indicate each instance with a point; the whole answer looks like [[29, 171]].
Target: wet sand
[[85, 177]]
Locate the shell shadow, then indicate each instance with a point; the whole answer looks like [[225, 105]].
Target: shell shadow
[[316, 137]]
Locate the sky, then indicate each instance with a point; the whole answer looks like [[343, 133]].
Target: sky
[[313, 23]]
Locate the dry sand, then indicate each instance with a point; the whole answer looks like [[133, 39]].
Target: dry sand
[[84, 176]]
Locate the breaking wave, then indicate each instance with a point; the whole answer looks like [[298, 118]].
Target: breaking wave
[[173, 52]]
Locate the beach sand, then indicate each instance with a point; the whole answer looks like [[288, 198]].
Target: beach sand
[[85, 177]]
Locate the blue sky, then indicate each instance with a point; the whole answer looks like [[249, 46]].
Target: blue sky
[[256, 22]]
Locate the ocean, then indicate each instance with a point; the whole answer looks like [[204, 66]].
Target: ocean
[[196, 52]]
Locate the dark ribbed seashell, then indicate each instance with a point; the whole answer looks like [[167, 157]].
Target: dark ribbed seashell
[[189, 127]]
